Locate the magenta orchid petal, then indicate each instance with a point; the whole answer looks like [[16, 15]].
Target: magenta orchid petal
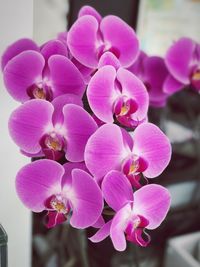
[[178, 59], [81, 40], [118, 226], [16, 48], [60, 101], [171, 85], [69, 166], [138, 66], [32, 185], [29, 122], [109, 58], [85, 71], [115, 31], [152, 202], [104, 150], [128, 140], [153, 146], [156, 71], [65, 77], [117, 190], [102, 233], [32, 155], [54, 218], [87, 201], [99, 223], [101, 93], [88, 10], [62, 36], [155, 76], [79, 127], [21, 72], [53, 47], [135, 89]]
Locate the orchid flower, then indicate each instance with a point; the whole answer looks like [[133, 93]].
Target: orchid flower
[[41, 128], [90, 36], [118, 93], [153, 72], [183, 62], [109, 148], [60, 190], [145, 209], [42, 73]]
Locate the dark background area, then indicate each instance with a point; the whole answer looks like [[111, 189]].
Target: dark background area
[[125, 9]]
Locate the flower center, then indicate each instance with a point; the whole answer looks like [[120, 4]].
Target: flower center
[[131, 165], [39, 93], [124, 110], [41, 90], [53, 145], [136, 223], [54, 142], [195, 79], [196, 75], [58, 205], [106, 47], [124, 106]]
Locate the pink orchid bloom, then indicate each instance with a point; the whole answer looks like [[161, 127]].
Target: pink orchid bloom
[[135, 212], [148, 151], [60, 190]]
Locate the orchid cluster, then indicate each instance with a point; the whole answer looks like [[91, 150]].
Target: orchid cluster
[[79, 94]]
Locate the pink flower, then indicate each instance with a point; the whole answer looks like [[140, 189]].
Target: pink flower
[[145, 209], [148, 151], [183, 62], [91, 36], [54, 129], [43, 73], [117, 94], [60, 190]]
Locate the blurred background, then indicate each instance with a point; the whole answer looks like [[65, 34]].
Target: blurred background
[[177, 242]]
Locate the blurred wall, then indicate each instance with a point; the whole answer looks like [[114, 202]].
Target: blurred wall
[[50, 18], [160, 22], [16, 21]]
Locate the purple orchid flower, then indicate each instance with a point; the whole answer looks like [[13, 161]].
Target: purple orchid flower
[[110, 148], [41, 128], [153, 72], [43, 73], [134, 212], [183, 62], [118, 93], [90, 36], [60, 190]]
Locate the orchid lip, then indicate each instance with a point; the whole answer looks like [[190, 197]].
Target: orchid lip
[[58, 204], [40, 91], [131, 165], [196, 75], [58, 208], [53, 142], [135, 230], [53, 145], [125, 106], [195, 78]]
